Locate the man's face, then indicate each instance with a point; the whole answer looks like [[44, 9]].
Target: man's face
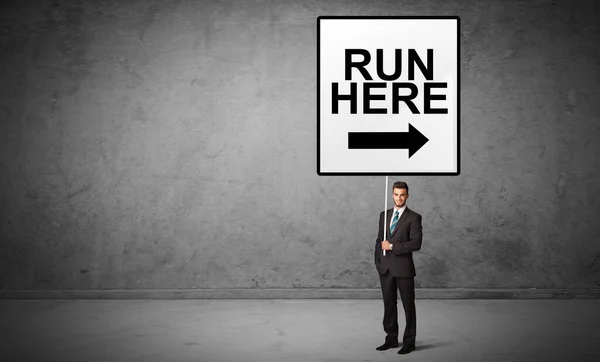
[[400, 197]]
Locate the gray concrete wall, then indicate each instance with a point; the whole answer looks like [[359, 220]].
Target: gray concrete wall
[[172, 144]]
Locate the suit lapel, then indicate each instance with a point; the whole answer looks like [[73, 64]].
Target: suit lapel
[[403, 217], [390, 212]]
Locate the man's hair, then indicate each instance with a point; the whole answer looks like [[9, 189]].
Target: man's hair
[[400, 185]]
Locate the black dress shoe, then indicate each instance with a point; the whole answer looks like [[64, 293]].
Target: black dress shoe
[[406, 349], [387, 345]]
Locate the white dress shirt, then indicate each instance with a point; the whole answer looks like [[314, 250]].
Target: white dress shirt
[[400, 211]]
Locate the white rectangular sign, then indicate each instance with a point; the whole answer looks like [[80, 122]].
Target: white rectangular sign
[[388, 93]]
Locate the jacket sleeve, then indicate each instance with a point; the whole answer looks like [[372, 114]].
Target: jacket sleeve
[[415, 238], [377, 252]]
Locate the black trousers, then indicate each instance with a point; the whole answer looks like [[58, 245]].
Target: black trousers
[[389, 287]]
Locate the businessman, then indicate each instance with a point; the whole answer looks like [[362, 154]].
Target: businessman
[[396, 268]]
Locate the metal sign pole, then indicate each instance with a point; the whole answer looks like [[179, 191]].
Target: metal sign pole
[[385, 212]]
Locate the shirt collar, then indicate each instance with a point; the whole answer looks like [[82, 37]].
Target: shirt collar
[[401, 210]]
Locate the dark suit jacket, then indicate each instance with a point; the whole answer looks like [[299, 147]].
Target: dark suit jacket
[[407, 237]]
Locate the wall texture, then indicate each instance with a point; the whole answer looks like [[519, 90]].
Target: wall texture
[[172, 144]]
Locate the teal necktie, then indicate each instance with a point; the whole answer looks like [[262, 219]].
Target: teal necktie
[[394, 222]]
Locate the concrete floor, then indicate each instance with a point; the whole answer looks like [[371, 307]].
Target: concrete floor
[[294, 330]]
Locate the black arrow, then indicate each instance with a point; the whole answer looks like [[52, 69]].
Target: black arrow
[[413, 140]]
